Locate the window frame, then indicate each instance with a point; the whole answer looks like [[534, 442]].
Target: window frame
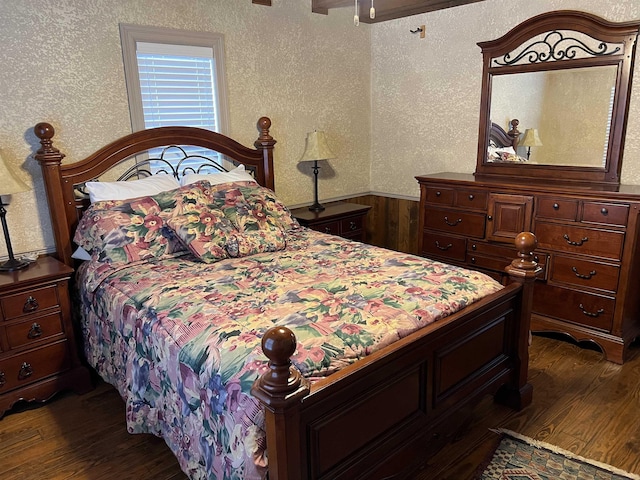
[[130, 35]]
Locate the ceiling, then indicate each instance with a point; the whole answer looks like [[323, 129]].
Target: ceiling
[[385, 9], [388, 9]]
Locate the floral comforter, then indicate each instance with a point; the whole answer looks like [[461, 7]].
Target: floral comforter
[[180, 339]]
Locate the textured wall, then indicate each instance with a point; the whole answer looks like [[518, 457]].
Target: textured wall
[[62, 63], [426, 92]]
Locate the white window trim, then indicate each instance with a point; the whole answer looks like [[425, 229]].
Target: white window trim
[[130, 35]]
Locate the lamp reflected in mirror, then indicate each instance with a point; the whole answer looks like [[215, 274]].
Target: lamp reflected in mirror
[[530, 139], [316, 149], [9, 185]]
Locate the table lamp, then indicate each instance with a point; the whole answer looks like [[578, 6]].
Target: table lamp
[[530, 139], [316, 149], [9, 185]]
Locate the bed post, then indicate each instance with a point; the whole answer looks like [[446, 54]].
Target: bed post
[[265, 142], [50, 160], [523, 270], [280, 391]]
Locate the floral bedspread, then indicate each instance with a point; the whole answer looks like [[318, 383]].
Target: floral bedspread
[[180, 339]]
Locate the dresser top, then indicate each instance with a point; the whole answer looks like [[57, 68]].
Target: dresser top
[[622, 192]]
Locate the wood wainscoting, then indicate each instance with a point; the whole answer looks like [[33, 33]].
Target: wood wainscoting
[[391, 223]]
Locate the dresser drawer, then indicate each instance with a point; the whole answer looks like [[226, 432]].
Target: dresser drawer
[[485, 253], [453, 221], [583, 308], [555, 208], [444, 246], [34, 330], [441, 196], [587, 241], [33, 365], [607, 213], [32, 301], [471, 199], [584, 273]]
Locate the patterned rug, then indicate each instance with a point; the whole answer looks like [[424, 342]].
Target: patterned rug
[[521, 458]]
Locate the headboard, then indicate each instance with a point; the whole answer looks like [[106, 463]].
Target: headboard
[[501, 138], [62, 181]]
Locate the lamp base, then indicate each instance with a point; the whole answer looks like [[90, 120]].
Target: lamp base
[[13, 264], [316, 207]]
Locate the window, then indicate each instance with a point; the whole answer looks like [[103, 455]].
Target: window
[[175, 77]]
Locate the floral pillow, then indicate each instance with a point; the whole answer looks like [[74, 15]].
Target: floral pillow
[[132, 230], [204, 231], [261, 201]]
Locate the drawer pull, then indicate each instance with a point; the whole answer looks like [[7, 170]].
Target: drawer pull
[[26, 370], [604, 211], [327, 229], [556, 206], [31, 305], [575, 244], [353, 225], [438, 193], [35, 331], [450, 223], [591, 314], [2, 379], [447, 247], [489, 217], [471, 197], [583, 276], [473, 260]]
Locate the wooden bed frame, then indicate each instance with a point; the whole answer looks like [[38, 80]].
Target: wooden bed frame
[[413, 389], [505, 139]]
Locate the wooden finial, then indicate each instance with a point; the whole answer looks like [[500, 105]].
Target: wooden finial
[[264, 124], [47, 153]]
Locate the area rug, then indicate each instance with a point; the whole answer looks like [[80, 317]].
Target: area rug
[[522, 458]]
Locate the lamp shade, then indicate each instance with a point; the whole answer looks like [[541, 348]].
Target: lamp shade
[[9, 183], [316, 148], [531, 138]]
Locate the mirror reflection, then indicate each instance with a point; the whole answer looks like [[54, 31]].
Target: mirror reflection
[[565, 115]]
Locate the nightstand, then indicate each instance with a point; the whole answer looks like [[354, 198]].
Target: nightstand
[[347, 220], [38, 351]]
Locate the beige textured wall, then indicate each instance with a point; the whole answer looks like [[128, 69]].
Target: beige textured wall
[[62, 63], [426, 92]]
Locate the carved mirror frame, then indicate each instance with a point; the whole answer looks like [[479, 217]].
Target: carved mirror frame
[[518, 51]]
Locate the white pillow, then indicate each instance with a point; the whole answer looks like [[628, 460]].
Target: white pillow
[[99, 191], [238, 174]]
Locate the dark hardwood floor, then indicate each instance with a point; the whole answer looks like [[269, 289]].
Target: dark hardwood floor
[[581, 403]]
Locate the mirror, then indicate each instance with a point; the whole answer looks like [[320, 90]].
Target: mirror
[[565, 76]]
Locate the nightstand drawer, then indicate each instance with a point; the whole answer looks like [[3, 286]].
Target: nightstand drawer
[[351, 225], [34, 330], [24, 303], [332, 228], [33, 365]]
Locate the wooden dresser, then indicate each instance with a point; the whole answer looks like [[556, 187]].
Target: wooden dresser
[[38, 352], [587, 244]]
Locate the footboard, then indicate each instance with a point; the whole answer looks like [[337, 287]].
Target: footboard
[[379, 416]]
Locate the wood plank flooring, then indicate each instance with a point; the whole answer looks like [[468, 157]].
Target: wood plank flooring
[[581, 403]]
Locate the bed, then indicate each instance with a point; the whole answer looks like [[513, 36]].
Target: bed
[[324, 363], [503, 145]]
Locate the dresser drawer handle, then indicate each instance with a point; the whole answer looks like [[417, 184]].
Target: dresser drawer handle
[[604, 211], [556, 206], [452, 224], [26, 370], [575, 244], [471, 197], [591, 314], [583, 276], [35, 331], [2, 379], [31, 305], [353, 225], [438, 193], [447, 247]]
